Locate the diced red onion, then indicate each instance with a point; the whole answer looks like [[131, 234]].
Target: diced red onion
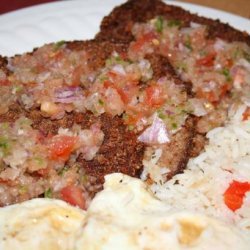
[[244, 63], [155, 134], [118, 68], [67, 94], [219, 45], [238, 74], [195, 25]]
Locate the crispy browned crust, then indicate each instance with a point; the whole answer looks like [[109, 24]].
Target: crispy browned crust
[[117, 25], [120, 152]]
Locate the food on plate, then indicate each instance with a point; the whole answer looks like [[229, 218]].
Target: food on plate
[[138, 139], [125, 215], [74, 112], [211, 57]]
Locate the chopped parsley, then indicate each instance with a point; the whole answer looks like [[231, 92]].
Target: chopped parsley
[[161, 115], [246, 56], [226, 73], [39, 160], [4, 145], [58, 45], [174, 23], [101, 102], [174, 125], [159, 24], [187, 43], [124, 116], [62, 171], [182, 67], [115, 60], [130, 127], [103, 78], [48, 193], [23, 189]]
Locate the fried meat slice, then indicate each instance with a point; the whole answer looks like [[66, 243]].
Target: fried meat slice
[[31, 80]]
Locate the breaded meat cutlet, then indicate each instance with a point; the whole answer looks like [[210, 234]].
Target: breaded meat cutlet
[[211, 57], [42, 106], [118, 24]]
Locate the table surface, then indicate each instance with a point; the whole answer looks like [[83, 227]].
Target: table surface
[[239, 7]]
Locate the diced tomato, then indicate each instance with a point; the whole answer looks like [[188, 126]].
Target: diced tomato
[[154, 96], [211, 96], [8, 182], [234, 195], [133, 119], [5, 82], [139, 43], [76, 76], [246, 114], [61, 146], [74, 196], [207, 61], [43, 171], [126, 93], [224, 89]]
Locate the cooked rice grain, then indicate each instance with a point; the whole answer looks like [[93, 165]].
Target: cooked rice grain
[[202, 185]]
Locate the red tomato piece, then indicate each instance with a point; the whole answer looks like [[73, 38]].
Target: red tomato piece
[[139, 43], [224, 89], [234, 195], [211, 96], [207, 61], [43, 171], [5, 82], [61, 146], [246, 114], [74, 196], [125, 93], [154, 96]]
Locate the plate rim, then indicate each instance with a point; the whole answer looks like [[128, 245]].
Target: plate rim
[[31, 15]]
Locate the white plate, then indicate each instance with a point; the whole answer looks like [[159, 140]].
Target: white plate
[[22, 30]]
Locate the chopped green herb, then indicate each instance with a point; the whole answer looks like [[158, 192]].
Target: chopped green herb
[[58, 45], [62, 171], [115, 60], [23, 189], [187, 43], [84, 179], [174, 125], [161, 115], [24, 122], [17, 88], [48, 193], [174, 23], [4, 145], [226, 73], [101, 102], [103, 78], [124, 116], [182, 67], [39, 160], [203, 52], [4, 125], [131, 127], [159, 24], [246, 56], [236, 53]]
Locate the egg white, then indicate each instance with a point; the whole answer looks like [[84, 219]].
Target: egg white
[[125, 215]]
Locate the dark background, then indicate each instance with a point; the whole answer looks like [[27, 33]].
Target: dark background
[[10, 5], [238, 7]]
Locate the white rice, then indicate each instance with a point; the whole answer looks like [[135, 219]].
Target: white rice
[[202, 185]]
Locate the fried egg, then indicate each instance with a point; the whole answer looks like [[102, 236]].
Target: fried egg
[[125, 215]]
